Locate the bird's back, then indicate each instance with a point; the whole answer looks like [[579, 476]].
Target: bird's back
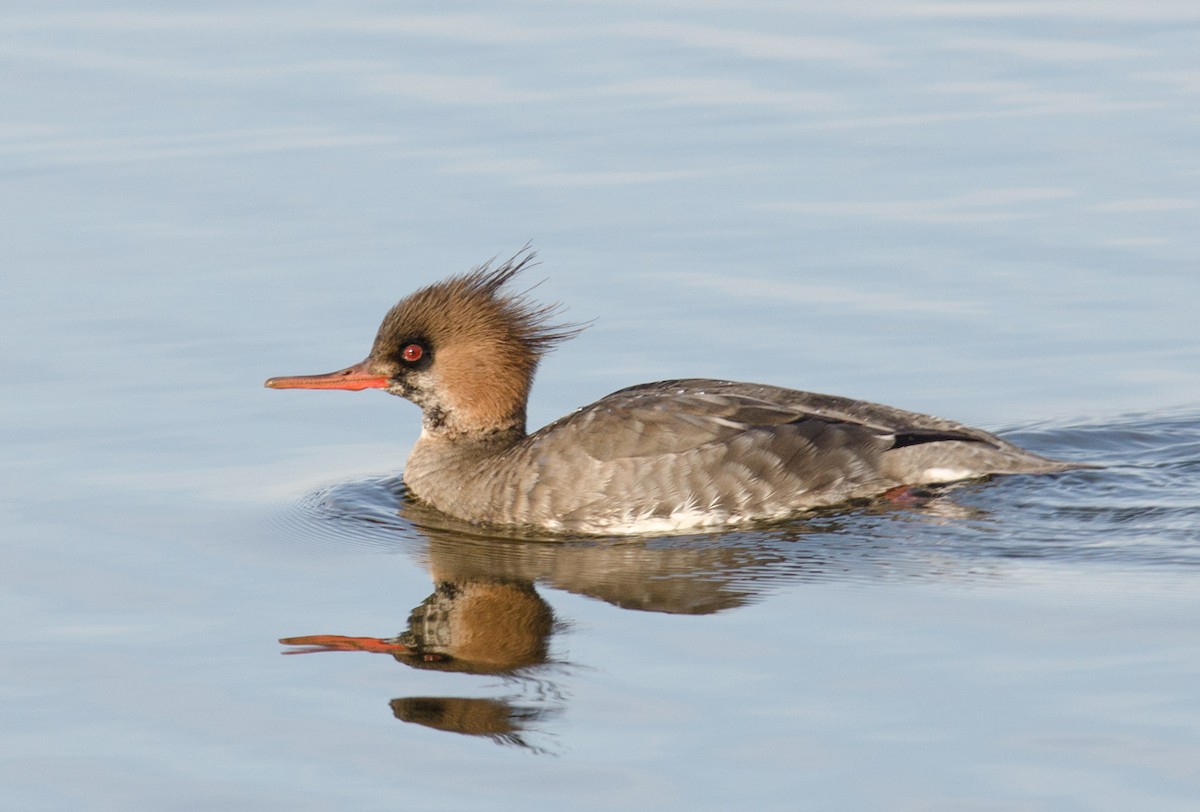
[[692, 453]]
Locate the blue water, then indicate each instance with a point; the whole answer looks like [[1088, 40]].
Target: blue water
[[982, 211]]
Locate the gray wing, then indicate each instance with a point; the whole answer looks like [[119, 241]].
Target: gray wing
[[732, 448], [671, 417], [884, 420]]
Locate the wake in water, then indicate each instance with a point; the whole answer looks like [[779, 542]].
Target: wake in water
[[486, 615], [1142, 507]]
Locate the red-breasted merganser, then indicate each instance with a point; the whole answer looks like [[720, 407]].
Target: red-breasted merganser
[[656, 457]]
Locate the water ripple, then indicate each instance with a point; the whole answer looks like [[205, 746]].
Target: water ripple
[[1140, 509]]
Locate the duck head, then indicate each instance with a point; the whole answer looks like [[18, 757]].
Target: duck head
[[465, 350]]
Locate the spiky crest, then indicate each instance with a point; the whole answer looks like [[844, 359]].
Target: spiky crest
[[486, 342]]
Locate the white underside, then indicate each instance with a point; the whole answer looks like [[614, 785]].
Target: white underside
[[935, 475], [680, 520], [693, 517]]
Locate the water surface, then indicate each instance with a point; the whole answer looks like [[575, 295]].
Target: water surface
[[986, 212]]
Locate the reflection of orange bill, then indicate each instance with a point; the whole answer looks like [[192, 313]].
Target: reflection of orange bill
[[337, 642]]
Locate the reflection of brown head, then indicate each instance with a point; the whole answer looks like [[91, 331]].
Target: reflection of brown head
[[487, 627], [475, 627]]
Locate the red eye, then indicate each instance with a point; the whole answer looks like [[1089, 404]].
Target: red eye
[[412, 352]]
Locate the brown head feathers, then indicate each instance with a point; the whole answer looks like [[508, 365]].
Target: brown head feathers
[[480, 345]]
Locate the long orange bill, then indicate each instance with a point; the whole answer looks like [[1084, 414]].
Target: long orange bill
[[359, 376], [336, 642]]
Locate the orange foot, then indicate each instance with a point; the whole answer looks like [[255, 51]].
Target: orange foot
[[903, 495]]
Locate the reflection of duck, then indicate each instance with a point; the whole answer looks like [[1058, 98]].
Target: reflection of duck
[[473, 625], [656, 457], [486, 617], [479, 626]]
